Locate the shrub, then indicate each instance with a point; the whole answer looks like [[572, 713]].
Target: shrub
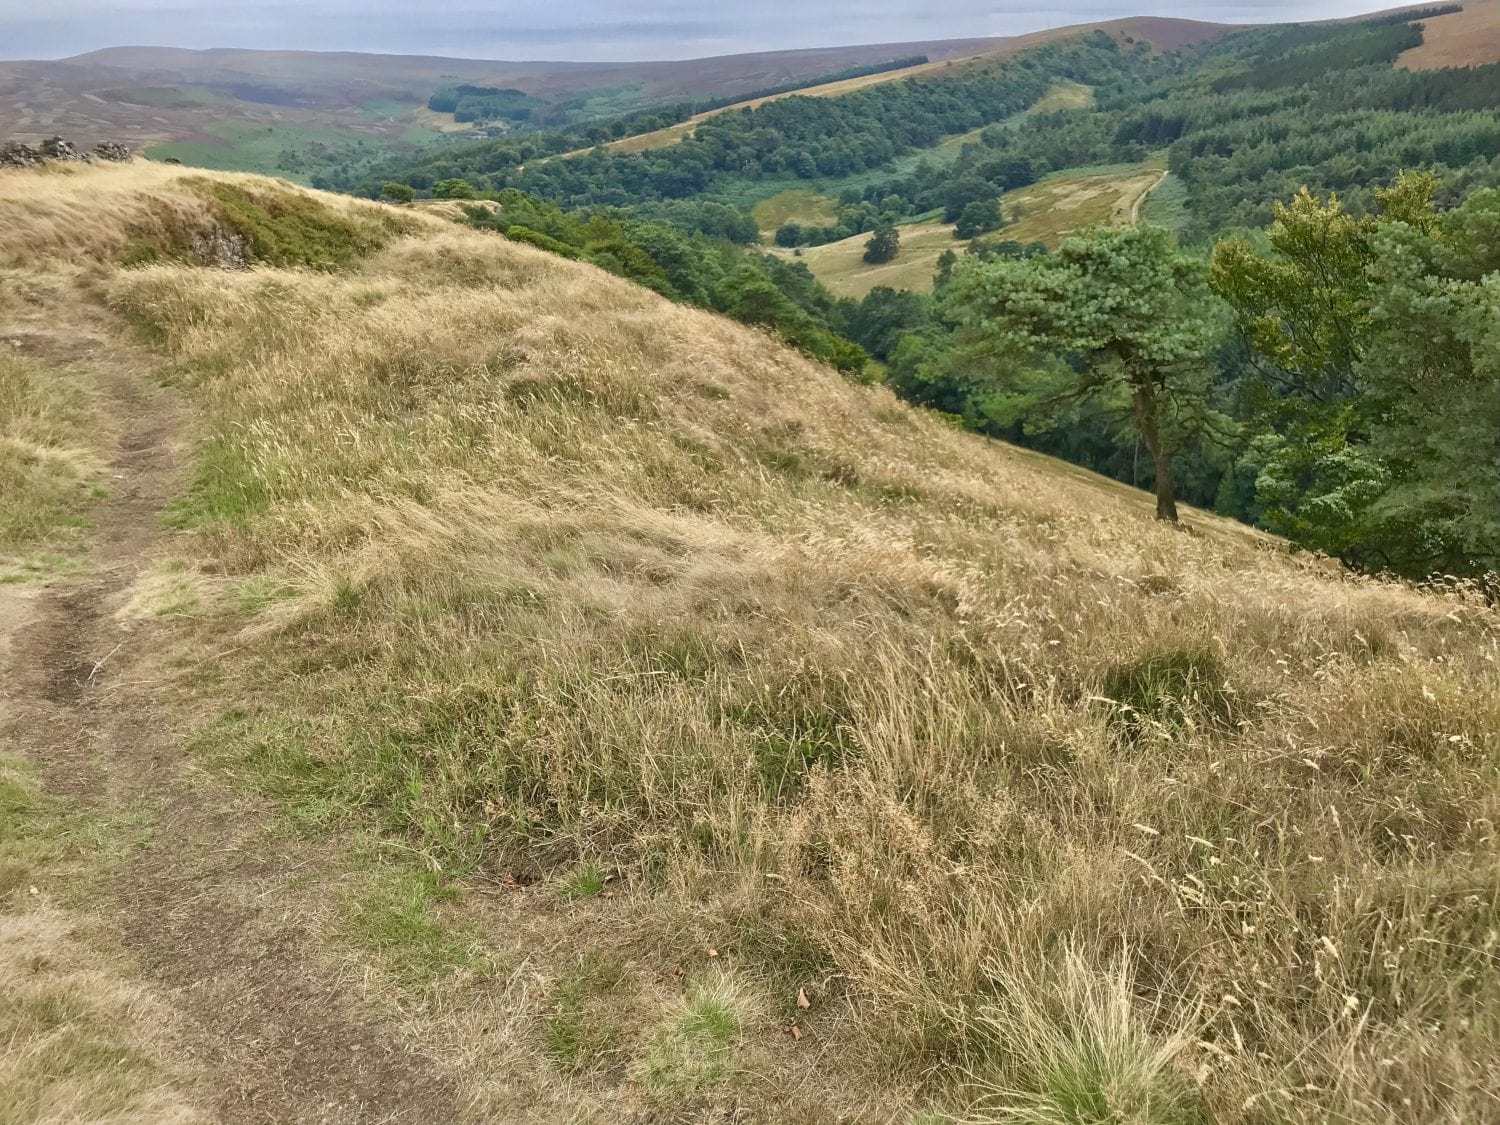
[[292, 228]]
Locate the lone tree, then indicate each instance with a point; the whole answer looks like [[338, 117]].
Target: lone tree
[[884, 244], [1122, 318], [979, 217], [398, 192]]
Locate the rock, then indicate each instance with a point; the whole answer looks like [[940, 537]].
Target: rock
[[16, 155], [225, 249], [55, 148]]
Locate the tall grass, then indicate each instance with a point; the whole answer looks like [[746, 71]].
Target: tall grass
[[46, 465], [1087, 819]]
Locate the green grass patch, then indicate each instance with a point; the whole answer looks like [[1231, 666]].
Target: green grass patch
[[394, 916], [1167, 205], [291, 228], [1170, 686], [224, 489], [809, 208], [584, 881], [694, 1049], [582, 1032]]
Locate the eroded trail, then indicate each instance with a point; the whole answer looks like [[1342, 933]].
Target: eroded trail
[[263, 1027]]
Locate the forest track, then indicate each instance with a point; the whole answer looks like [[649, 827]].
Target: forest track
[[266, 1027], [1139, 203]]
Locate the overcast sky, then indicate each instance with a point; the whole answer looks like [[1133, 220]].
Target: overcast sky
[[575, 29]]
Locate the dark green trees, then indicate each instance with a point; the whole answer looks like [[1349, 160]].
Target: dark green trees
[[1117, 316], [978, 217], [1376, 377], [884, 244]]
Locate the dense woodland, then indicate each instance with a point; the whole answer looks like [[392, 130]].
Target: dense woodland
[[1281, 139]]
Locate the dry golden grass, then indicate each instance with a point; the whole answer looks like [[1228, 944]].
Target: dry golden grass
[[1467, 38], [841, 265], [1059, 813], [78, 1041], [47, 460], [78, 214], [1049, 211]]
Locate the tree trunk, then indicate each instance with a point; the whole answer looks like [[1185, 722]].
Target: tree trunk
[[1144, 404]]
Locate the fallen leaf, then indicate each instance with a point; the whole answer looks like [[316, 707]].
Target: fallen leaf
[[712, 952], [802, 1000], [795, 1032]]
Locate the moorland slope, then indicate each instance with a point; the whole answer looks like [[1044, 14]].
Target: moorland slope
[[613, 715]]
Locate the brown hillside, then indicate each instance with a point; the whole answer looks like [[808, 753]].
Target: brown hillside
[[1467, 38]]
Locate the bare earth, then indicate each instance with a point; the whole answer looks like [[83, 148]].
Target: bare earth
[[261, 1029]]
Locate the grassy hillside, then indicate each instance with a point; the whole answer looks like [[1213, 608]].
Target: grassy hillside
[[757, 746]]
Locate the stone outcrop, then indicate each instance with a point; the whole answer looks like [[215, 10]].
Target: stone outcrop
[[15, 154]]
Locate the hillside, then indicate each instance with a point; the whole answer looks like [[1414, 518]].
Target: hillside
[[1161, 33], [245, 107], [1470, 37], [286, 110], [446, 682]]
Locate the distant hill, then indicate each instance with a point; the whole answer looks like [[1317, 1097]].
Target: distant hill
[[1162, 33], [1467, 38], [145, 95]]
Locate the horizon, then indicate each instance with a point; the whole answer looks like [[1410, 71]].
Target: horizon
[[78, 27]]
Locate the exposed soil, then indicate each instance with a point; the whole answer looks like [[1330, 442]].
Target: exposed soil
[[267, 1022]]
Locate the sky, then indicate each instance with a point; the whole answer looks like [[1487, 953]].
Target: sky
[[582, 30]]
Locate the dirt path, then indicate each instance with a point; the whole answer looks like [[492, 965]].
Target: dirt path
[[1140, 201], [275, 1035]]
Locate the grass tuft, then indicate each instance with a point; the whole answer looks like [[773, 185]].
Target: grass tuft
[[693, 1050], [1074, 1048]]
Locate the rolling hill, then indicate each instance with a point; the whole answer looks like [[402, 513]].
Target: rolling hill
[[1159, 32], [245, 108], [446, 682], [143, 95]]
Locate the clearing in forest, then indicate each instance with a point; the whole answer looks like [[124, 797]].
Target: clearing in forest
[[795, 205], [1045, 212]]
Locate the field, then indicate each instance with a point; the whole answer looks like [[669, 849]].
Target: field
[[1058, 205], [799, 205], [485, 691], [1048, 211], [1467, 38], [842, 268]]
